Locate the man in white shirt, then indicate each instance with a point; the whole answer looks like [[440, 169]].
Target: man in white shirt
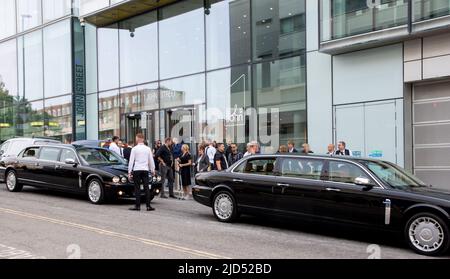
[[114, 146], [139, 168], [211, 153]]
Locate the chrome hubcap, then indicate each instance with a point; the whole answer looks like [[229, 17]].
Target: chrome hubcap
[[11, 181], [95, 191], [223, 206], [426, 234]]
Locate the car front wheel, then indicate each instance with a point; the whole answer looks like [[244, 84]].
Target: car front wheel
[[12, 183], [95, 191], [224, 207], [427, 234]]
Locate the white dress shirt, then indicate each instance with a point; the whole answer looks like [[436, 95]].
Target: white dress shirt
[[115, 148], [141, 159], [211, 152]]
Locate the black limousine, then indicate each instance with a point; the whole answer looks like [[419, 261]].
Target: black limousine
[[98, 173], [336, 189]]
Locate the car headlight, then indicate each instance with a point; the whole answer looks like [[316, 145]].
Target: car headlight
[[116, 179], [124, 180]]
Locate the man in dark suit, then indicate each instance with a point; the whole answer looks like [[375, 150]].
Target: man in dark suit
[[342, 150], [291, 147], [127, 151]]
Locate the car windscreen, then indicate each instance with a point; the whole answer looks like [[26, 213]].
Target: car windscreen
[[393, 175], [95, 156]]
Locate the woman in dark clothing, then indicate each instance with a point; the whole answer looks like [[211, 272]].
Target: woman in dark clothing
[[184, 164]]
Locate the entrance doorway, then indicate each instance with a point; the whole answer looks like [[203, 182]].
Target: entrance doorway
[[144, 122], [180, 124]]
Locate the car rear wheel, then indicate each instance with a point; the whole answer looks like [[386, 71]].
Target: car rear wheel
[[95, 191], [12, 183], [427, 234], [224, 207]]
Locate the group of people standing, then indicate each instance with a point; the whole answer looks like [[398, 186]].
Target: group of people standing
[[172, 157]]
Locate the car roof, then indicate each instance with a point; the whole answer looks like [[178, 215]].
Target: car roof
[[314, 156], [34, 139]]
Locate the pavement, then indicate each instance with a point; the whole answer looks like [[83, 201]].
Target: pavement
[[38, 223]]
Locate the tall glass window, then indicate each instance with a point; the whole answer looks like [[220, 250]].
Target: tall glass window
[[58, 122], [57, 59], [183, 91], [181, 38], [90, 32], [428, 9], [228, 33], [31, 118], [31, 85], [7, 18], [343, 18], [140, 98], [139, 64], [109, 114], [8, 68], [282, 85], [8, 89], [28, 14], [108, 57], [54, 9], [278, 28], [228, 95], [89, 6]]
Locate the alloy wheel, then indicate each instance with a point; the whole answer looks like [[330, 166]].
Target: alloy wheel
[[94, 191], [426, 234], [11, 181], [223, 206]]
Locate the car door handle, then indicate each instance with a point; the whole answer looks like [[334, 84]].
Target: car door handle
[[36, 164], [57, 167], [333, 190], [238, 180], [283, 185]]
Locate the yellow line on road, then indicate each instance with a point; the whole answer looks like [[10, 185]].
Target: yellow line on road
[[115, 234]]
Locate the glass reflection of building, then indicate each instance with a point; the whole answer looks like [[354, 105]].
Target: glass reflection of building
[[178, 62]]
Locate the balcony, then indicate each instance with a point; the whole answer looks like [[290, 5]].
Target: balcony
[[348, 25]]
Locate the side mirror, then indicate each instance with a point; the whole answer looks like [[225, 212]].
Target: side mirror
[[365, 182], [70, 161]]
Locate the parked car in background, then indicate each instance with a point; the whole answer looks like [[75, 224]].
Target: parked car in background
[[366, 192], [96, 172], [93, 143], [12, 147]]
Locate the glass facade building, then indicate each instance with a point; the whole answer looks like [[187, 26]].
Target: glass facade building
[[229, 70]]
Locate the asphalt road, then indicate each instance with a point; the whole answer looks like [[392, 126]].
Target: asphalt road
[[43, 224]]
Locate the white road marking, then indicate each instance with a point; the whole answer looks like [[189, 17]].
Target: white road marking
[[7, 252], [115, 234]]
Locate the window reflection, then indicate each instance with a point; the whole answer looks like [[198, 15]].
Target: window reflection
[[109, 114], [139, 64], [428, 9], [228, 33], [30, 50], [108, 58], [282, 85], [139, 98], [54, 9], [8, 18], [181, 38], [182, 91], [228, 95], [58, 121], [278, 28], [28, 14], [57, 59], [89, 6], [8, 68], [30, 118]]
